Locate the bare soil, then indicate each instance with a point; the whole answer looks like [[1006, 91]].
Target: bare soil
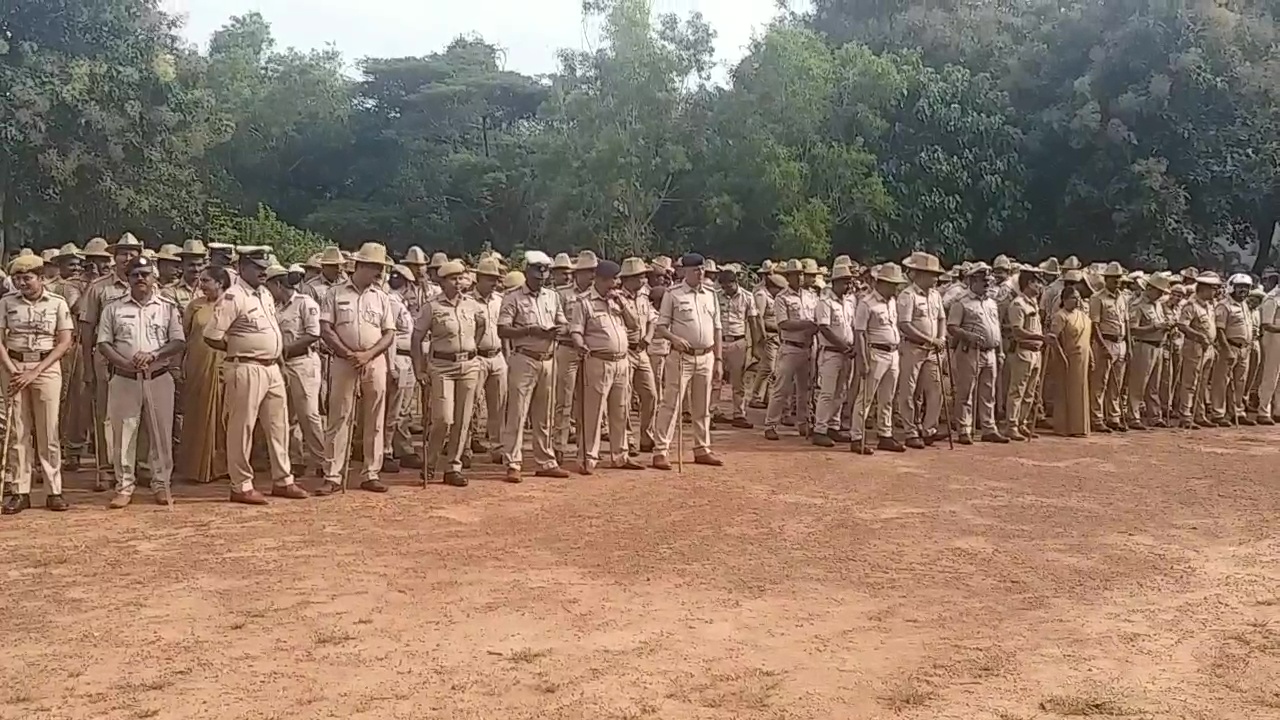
[[1131, 576]]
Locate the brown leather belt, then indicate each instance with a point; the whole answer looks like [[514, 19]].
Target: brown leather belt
[[694, 351], [487, 354], [1028, 344], [251, 361], [796, 343], [1152, 343], [883, 347], [452, 357], [734, 338], [28, 356], [609, 356], [536, 355], [1111, 338], [142, 375]]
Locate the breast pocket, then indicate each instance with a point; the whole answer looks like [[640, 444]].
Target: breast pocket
[[344, 314], [685, 310]]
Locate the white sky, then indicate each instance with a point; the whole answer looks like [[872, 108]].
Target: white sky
[[531, 31]]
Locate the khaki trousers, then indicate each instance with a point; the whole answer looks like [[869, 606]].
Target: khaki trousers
[[681, 373], [529, 385], [453, 401], [302, 387], [1106, 382], [645, 390], [1254, 382], [1269, 377], [402, 388], [1146, 369], [75, 414], [567, 404], [35, 425], [372, 383], [1024, 367], [834, 371], [735, 364], [975, 385], [919, 376], [792, 385], [1196, 359], [491, 398], [254, 393], [132, 404], [1170, 381], [659, 364], [765, 367], [878, 384], [1229, 382], [605, 382]]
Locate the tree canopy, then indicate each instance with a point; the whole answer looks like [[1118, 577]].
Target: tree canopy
[[1140, 131]]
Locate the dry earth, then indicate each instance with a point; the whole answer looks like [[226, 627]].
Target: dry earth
[[1130, 577]]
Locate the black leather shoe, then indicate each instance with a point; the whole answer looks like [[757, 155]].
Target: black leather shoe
[[56, 503], [15, 504]]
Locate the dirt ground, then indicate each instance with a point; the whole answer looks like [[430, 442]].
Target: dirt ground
[[1129, 576]]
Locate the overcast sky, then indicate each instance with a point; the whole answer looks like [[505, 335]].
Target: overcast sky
[[531, 31]]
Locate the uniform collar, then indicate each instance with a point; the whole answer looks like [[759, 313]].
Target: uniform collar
[[154, 298]]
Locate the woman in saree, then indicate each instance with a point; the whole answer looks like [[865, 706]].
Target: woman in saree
[[1071, 332], [202, 452]]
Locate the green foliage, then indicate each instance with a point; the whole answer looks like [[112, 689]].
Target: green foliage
[[291, 245]]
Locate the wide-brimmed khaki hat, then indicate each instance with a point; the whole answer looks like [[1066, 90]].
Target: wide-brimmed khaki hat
[[1049, 267], [1189, 273], [1159, 281], [67, 252], [96, 247], [1095, 282], [1002, 262], [842, 260], [791, 266], [450, 268], [48, 254], [767, 266], [414, 256], [489, 266], [438, 260], [512, 280], [709, 267], [1073, 276], [25, 263], [1112, 269], [587, 260], [275, 271], [923, 262], [809, 266], [331, 255], [312, 262], [889, 272], [633, 266], [562, 262], [372, 252], [977, 269], [222, 247], [126, 242], [169, 252], [193, 248], [1072, 263], [841, 272], [776, 280], [404, 272]]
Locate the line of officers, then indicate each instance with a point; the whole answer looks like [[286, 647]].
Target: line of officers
[[347, 344]]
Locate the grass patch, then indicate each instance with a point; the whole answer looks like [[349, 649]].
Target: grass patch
[[526, 655], [906, 694], [330, 637], [1087, 706]]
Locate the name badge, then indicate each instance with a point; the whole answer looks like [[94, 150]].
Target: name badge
[[31, 356]]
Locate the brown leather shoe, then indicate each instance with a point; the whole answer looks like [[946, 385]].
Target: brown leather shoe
[[1246, 421], [373, 486], [250, 497], [478, 447], [889, 444], [466, 462], [915, 443], [587, 467], [120, 501], [56, 503], [628, 464], [996, 438], [770, 434], [412, 461], [292, 491], [390, 465], [859, 447], [328, 487], [707, 459], [742, 423], [454, 479], [15, 504], [964, 439], [162, 496], [552, 472], [1264, 420], [660, 462]]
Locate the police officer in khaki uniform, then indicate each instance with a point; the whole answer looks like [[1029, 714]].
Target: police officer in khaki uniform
[[923, 326], [567, 358], [111, 286], [35, 328], [877, 335], [1229, 378], [401, 383], [643, 384], [492, 364], [1149, 323], [299, 318], [531, 318], [599, 321], [741, 325], [358, 323], [1110, 315], [1199, 329], [245, 327], [451, 323], [795, 320], [689, 318], [74, 415], [1024, 363], [767, 348], [973, 320], [138, 336], [834, 316], [1269, 380]]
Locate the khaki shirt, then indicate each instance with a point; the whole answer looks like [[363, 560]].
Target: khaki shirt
[[978, 315], [491, 309], [1145, 313], [836, 313], [246, 319], [71, 290], [358, 317], [764, 309], [450, 325], [404, 321], [1025, 315], [321, 287], [102, 291], [1050, 298], [1269, 310], [734, 312], [601, 324], [132, 327], [524, 308], [299, 317], [1197, 316], [179, 292], [645, 317], [691, 314], [922, 310], [877, 316], [1109, 315], [792, 305], [32, 325], [569, 295], [1234, 319]]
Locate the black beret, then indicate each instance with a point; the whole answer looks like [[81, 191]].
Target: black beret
[[692, 260], [608, 269]]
